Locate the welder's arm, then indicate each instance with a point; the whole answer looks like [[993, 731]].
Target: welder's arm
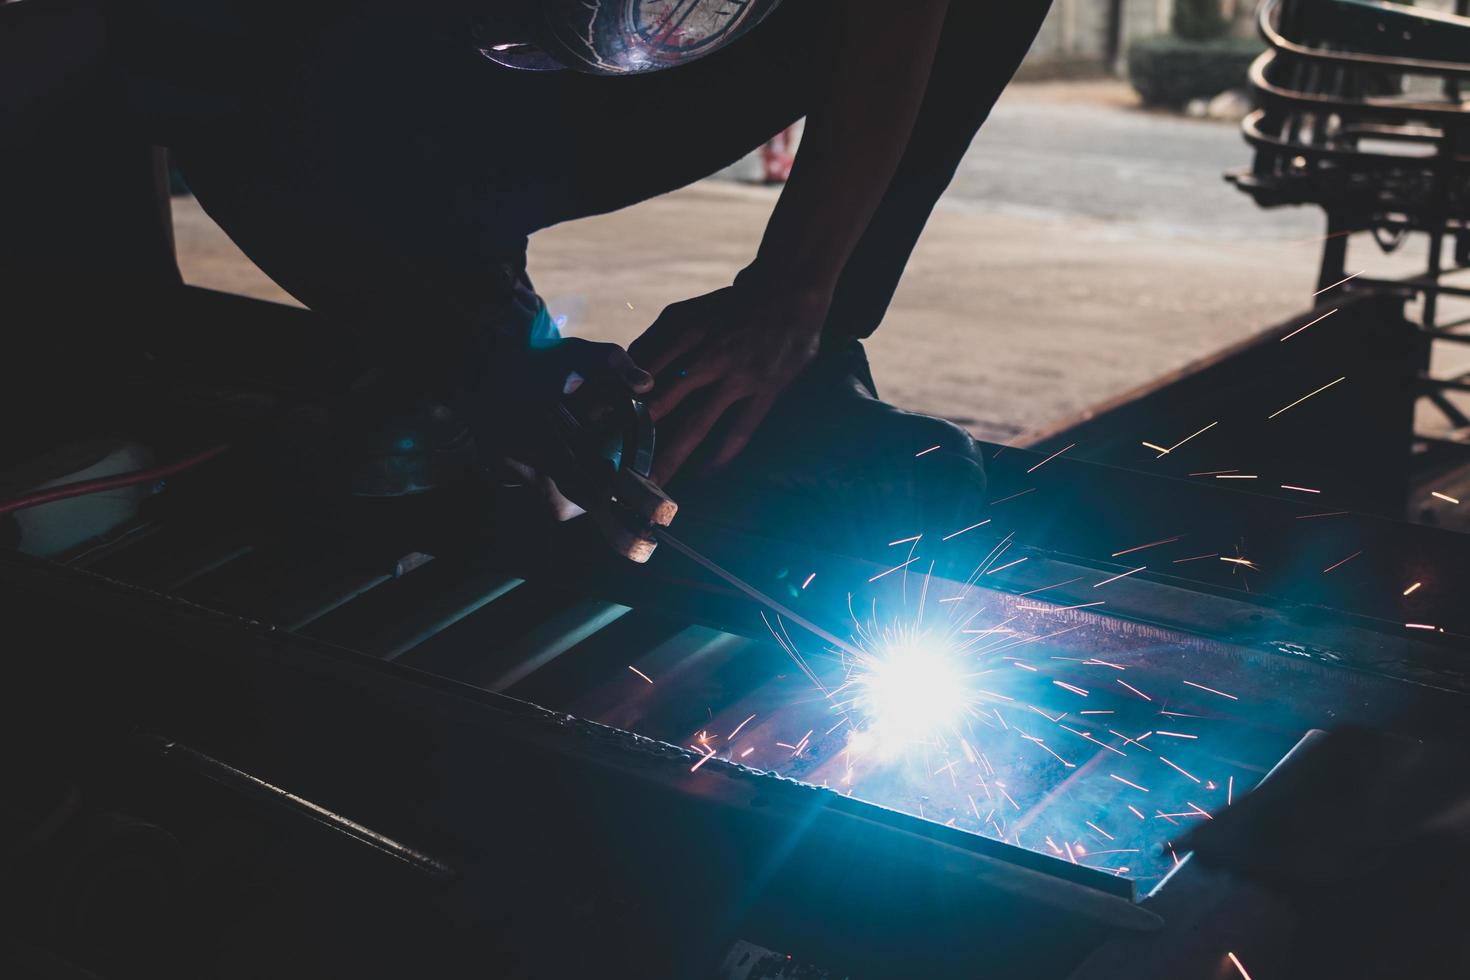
[[728, 355]]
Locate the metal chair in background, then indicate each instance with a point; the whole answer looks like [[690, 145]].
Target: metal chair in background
[[1363, 109]]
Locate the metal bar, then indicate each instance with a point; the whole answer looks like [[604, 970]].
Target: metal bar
[[444, 620], [778, 608], [285, 801], [548, 641]]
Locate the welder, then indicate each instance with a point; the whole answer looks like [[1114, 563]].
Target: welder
[[386, 163]]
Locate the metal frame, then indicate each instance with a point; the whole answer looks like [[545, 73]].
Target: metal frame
[[1317, 103]]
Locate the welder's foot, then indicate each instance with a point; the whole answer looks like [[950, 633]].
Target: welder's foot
[[833, 465]]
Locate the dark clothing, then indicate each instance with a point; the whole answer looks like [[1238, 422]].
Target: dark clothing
[[385, 173]]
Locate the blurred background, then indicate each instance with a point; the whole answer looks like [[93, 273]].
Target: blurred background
[[1087, 245]]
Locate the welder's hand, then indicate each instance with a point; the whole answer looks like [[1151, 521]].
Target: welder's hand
[[531, 386], [723, 359]]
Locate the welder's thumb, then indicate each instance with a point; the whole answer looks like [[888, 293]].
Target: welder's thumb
[[592, 360]]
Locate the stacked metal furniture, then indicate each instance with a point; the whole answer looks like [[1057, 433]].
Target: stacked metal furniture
[[1362, 111]]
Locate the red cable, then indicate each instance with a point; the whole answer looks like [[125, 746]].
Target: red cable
[[83, 487]]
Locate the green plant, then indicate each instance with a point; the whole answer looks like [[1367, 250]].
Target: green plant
[[1198, 20], [1169, 71]]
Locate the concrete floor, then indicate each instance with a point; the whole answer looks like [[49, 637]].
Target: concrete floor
[[1084, 248]]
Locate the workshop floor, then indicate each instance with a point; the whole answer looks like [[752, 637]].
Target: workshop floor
[[1084, 248]]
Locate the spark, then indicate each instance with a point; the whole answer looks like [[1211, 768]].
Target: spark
[[1095, 741], [964, 529], [1189, 437], [1213, 472], [640, 673], [1180, 561], [708, 756], [1246, 562], [1179, 768], [1135, 690], [1013, 496], [1212, 690], [893, 569], [1323, 238], [1343, 562], [1413, 588], [1002, 788], [1140, 547], [1236, 961], [1136, 812], [1162, 451], [1306, 325], [1305, 397], [1237, 476], [1043, 745], [1288, 486], [1025, 666], [925, 452], [1127, 782], [1071, 687], [840, 723], [1420, 626], [1046, 588], [747, 752], [1175, 734], [1097, 712], [1330, 513], [731, 736], [1230, 791], [1130, 741], [1099, 830], [630, 305], [1072, 857], [905, 540], [1443, 496], [1340, 282], [808, 580], [1010, 564], [1094, 662], [1200, 810], [1123, 575], [1050, 458]]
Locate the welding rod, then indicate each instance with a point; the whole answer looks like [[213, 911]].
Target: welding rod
[[776, 607]]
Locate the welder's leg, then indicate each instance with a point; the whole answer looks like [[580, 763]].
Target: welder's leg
[[980, 49]]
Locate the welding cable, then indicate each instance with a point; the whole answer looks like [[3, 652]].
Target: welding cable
[[83, 487]]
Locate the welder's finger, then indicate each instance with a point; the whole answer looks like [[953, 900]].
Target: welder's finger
[[747, 420], [691, 430], [631, 374], [669, 339], [596, 360], [672, 392]]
